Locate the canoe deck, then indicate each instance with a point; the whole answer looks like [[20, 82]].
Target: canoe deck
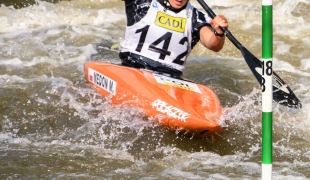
[[180, 105]]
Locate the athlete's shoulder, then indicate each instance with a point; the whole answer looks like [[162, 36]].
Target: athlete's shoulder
[[199, 20], [136, 10], [199, 15], [137, 3]]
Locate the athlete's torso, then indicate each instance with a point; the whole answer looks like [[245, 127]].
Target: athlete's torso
[[160, 34]]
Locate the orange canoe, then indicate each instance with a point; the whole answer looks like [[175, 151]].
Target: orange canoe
[[180, 105]]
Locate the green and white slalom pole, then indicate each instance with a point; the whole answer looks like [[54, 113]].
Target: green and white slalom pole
[[267, 94]]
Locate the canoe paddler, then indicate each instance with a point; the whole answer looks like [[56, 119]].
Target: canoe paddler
[[160, 34]]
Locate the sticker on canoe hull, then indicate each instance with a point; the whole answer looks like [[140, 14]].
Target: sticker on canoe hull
[[102, 81], [176, 83], [171, 111]]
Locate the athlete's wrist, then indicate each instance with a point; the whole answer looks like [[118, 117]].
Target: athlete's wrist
[[218, 34]]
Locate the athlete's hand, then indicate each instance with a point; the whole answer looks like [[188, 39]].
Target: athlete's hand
[[217, 22]]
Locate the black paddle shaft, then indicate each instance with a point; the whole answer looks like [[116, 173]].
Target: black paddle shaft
[[225, 30], [281, 91]]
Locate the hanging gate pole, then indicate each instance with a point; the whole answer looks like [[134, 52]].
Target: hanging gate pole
[[267, 94]]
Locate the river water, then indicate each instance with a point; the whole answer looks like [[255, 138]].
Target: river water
[[55, 126]]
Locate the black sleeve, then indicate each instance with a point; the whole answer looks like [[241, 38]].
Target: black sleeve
[[199, 20], [136, 10]]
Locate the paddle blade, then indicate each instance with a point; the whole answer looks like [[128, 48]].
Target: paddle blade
[[282, 93]]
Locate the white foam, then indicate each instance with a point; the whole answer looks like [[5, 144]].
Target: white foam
[[48, 15], [305, 64]]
